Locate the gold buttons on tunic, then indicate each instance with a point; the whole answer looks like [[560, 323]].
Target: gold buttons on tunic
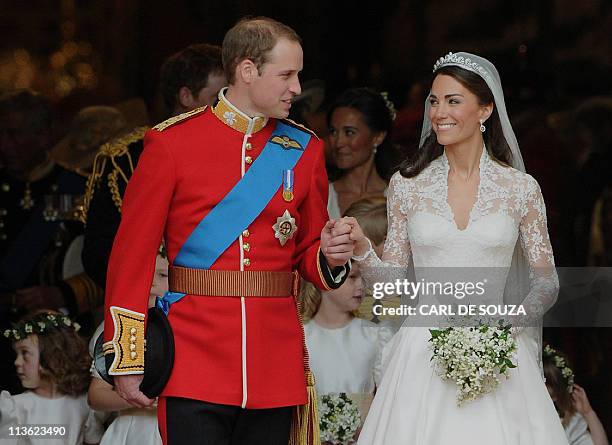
[[246, 247], [246, 233], [246, 262], [133, 354], [248, 160], [248, 146]]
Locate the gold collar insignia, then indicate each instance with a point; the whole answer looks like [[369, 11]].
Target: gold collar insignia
[[231, 116]]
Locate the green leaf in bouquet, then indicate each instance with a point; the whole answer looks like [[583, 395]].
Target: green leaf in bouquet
[[435, 333]]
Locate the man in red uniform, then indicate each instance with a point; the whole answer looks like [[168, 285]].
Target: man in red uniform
[[240, 197]]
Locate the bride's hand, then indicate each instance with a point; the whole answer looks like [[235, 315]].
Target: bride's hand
[[357, 236]]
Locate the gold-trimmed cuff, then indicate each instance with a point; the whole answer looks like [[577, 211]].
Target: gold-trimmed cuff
[[107, 348], [321, 276], [128, 342], [330, 279]]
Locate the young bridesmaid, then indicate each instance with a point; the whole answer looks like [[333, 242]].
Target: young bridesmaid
[[581, 424], [345, 350], [132, 425], [53, 367]]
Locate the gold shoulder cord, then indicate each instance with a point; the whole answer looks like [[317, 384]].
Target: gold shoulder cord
[[113, 186], [301, 127], [179, 118], [99, 165], [111, 151]]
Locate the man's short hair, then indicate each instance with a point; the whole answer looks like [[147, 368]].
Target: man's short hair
[[189, 68], [253, 38]]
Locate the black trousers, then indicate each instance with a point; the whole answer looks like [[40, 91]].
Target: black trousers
[[191, 422]]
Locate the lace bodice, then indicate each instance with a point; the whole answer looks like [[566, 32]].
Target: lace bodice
[[509, 207]]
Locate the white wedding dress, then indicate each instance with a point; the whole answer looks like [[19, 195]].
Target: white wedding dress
[[414, 405]]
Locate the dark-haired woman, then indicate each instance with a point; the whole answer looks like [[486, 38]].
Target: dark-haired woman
[[464, 203], [359, 121]]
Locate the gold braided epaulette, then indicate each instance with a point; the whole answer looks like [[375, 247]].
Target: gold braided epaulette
[[110, 150], [176, 119], [119, 146], [300, 127]]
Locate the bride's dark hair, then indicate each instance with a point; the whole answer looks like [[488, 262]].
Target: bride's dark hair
[[494, 139]]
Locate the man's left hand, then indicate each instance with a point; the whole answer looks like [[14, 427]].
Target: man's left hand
[[336, 244]]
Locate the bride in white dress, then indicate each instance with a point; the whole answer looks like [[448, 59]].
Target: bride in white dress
[[465, 202]]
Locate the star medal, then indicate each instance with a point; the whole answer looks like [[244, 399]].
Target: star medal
[[288, 185], [284, 228]]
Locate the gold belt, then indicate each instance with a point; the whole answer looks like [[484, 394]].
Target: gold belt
[[233, 283]]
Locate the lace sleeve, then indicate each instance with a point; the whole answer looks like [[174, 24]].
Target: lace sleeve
[[533, 233], [397, 251], [396, 256]]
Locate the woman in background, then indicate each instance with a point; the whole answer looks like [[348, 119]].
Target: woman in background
[[360, 122]]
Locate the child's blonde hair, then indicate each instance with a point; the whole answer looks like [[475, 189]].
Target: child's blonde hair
[[310, 300], [371, 214]]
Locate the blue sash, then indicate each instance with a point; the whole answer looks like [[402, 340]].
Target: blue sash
[[243, 203]]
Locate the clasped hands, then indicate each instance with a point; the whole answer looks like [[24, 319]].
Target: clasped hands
[[341, 239]]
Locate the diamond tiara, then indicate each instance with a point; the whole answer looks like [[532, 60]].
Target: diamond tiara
[[463, 62]]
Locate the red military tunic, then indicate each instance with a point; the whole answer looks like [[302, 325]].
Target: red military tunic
[[237, 351]]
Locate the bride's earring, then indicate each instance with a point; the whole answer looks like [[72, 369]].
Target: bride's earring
[[375, 149], [482, 127]]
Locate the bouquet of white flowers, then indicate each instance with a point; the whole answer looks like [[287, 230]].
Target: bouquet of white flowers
[[473, 357], [339, 418]]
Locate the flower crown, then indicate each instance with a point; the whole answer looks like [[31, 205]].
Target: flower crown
[[389, 105], [40, 325], [560, 363], [463, 62]]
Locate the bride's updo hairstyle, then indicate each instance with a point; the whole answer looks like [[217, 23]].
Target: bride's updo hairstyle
[[494, 139]]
